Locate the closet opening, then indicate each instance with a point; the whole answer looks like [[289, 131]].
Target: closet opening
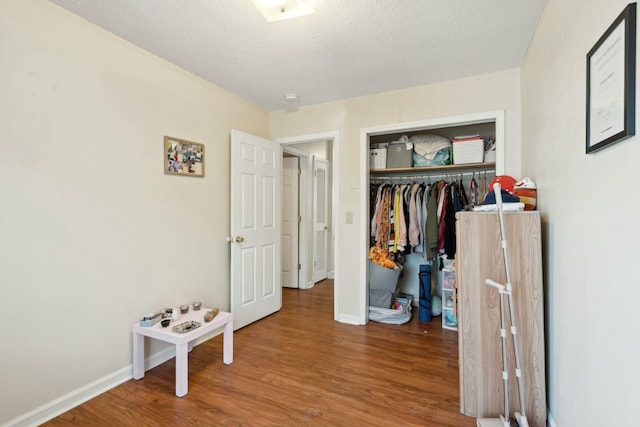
[[395, 182]]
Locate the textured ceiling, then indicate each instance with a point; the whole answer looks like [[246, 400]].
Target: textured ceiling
[[348, 48]]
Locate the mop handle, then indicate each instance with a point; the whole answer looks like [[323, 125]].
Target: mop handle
[[498, 193], [495, 285], [503, 337], [497, 190]]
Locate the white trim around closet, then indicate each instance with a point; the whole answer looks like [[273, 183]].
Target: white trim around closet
[[365, 134]]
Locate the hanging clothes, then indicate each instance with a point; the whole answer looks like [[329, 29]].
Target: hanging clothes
[[449, 219], [414, 217], [383, 224], [482, 188], [443, 200], [375, 194], [421, 195], [431, 224], [473, 192], [464, 200], [395, 225], [414, 226]]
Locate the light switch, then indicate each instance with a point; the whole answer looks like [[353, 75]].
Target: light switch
[[348, 217]]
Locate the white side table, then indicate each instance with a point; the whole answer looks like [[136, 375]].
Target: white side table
[[183, 343]]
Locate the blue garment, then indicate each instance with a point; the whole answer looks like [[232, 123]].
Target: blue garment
[[506, 198], [424, 304]]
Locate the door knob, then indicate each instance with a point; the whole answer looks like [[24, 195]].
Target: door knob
[[237, 239]]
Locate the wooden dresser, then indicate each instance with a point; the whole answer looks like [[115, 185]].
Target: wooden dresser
[[479, 256]]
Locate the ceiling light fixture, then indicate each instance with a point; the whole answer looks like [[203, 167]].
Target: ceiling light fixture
[[277, 10], [291, 97]]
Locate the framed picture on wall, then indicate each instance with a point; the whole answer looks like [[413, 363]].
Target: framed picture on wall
[[182, 157], [611, 83]]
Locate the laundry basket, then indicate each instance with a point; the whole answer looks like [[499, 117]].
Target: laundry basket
[[401, 313]]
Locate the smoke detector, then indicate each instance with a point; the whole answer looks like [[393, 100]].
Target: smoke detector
[[278, 10]]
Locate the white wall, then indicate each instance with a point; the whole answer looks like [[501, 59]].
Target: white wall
[[92, 234], [590, 209], [497, 91]]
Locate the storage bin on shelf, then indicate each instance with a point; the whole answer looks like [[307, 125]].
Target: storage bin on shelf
[[468, 150], [400, 154], [377, 158]]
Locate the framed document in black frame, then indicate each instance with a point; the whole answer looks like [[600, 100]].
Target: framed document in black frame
[[611, 83]]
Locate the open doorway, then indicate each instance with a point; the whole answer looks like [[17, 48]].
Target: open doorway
[[317, 207], [310, 209], [291, 267], [321, 219]]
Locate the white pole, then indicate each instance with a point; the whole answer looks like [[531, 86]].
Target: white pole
[[523, 417], [503, 335]]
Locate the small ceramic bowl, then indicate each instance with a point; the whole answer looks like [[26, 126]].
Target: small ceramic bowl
[[197, 305], [165, 322], [184, 308]]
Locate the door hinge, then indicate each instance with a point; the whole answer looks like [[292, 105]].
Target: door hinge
[[299, 218], [299, 266], [299, 171]]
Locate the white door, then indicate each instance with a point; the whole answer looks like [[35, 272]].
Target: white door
[[290, 222], [256, 174], [320, 218]]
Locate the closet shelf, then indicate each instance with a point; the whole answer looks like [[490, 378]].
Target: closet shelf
[[436, 169]]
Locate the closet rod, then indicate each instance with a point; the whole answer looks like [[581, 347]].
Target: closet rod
[[430, 176]]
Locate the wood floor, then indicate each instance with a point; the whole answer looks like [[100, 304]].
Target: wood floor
[[299, 367]]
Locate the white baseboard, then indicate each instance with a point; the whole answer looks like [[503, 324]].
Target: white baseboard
[[550, 421], [78, 396], [308, 285], [352, 320], [72, 399]]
